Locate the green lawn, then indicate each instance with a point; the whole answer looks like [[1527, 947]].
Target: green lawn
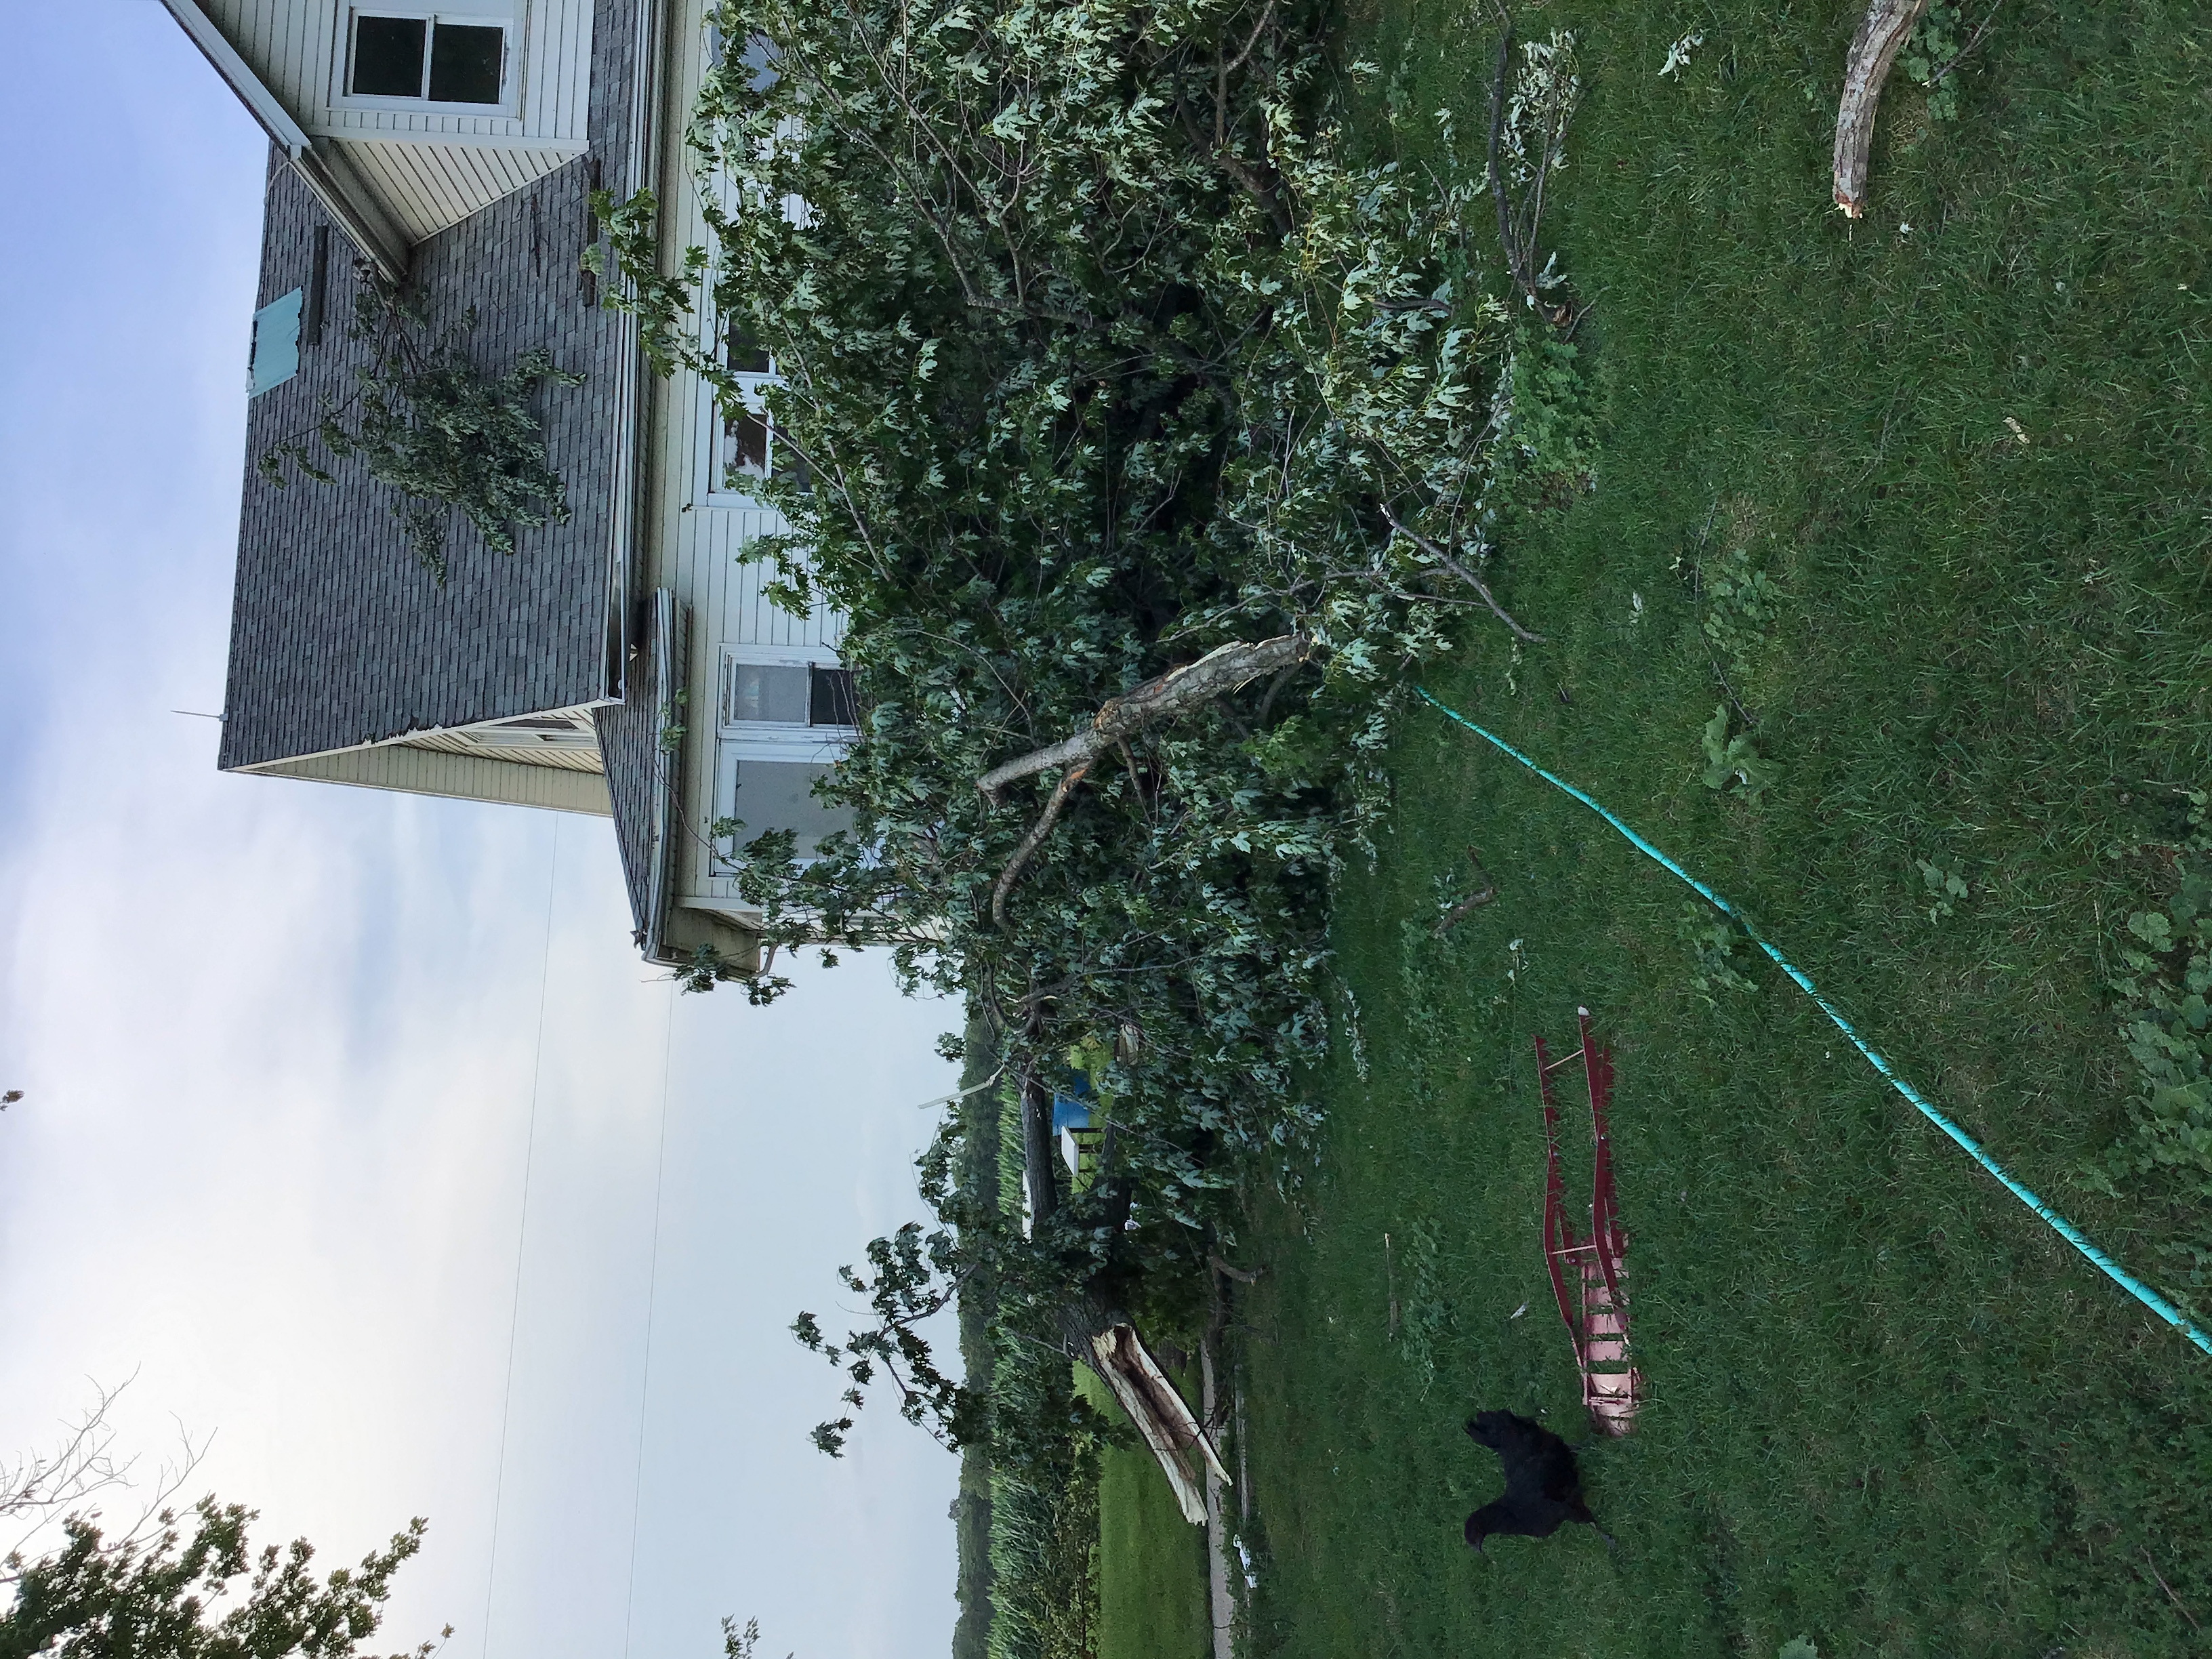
[[1152, 1562], [1889, 1410]]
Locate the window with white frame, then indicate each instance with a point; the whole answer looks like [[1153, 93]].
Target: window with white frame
[[401, 56], [747, 448], [789, 700]]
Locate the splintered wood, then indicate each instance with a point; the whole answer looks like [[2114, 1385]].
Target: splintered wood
[[1163, 1416]]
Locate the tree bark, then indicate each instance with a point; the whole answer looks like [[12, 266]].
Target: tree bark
[[1038, 1152], [1874, 49], [1169, 698]]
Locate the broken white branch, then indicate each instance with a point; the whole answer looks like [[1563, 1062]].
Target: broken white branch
[[1157, 701]]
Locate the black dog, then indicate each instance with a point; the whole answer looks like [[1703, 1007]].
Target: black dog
[[1542, 1486]]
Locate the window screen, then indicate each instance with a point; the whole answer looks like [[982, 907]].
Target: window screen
[[465, 63], [388, 56], [422, 57], [765, 691], [832, 703]]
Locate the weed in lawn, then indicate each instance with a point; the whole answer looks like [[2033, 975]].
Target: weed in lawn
[[1733, 760], [1427, 1315], [1932, 48], [2166, 959], [1713, 940], [1742, 603], [1946, 880]]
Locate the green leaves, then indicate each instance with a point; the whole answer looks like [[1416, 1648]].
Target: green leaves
[[428, 422], [2166, 1022], [1712, 940], [1101, 353], [1946, 881], [161, 1598], [1733, 760]]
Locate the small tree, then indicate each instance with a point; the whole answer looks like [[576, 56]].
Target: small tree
[[98, 1598]]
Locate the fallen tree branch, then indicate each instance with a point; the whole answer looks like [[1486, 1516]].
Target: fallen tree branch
[[1438, 553], [1173, 695], [1516, 258], [1031, 841], [1169, 1429], [1453, 917], [1874, 49], [1038, 1170]]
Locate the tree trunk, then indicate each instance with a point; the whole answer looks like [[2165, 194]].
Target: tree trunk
[[1882, 31], [1171, 1429], [1038, 1152]]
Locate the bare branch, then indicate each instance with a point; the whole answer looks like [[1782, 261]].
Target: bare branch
[[1031, 841], [1882, 31], [1438, 553]]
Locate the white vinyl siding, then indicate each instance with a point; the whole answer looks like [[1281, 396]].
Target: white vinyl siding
[[432, 167], [422, 771], [430, 187], [698, 544]]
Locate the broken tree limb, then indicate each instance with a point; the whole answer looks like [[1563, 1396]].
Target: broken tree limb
[[1164, 1418], [1438, 553], [1516, 258], [1242, 1275], [1874, 49], [1169, 698], [1031, 841]]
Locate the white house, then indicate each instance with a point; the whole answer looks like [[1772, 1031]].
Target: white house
[[625, 663]]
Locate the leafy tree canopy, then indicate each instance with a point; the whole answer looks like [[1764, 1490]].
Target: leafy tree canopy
[[163, 1597], [1104, 359]]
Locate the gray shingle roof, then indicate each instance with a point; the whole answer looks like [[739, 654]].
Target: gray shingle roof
[[338, 637]]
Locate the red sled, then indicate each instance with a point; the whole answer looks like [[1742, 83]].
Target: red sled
[[1596, 1314]]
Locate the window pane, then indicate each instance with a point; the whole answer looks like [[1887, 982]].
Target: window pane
[[464, 61], [745, 447], [388, 56], [746, 355], [833, 701], [761, 692]]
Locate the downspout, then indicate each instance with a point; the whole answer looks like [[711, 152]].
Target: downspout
[[667, 768]]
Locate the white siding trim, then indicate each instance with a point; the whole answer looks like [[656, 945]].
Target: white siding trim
[[363, 218], [432, 186], [414, 771]]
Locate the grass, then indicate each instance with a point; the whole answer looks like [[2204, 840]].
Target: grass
[[1152, 1562], [1889, 1409]]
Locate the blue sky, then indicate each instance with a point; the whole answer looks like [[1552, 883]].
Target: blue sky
[[353, 1127]]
